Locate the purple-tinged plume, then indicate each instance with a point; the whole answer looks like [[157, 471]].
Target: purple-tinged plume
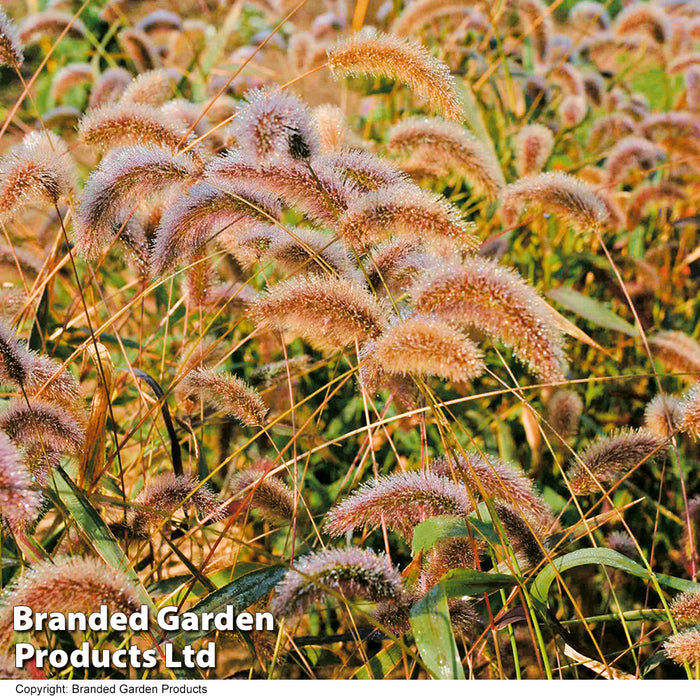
[[349, 573]]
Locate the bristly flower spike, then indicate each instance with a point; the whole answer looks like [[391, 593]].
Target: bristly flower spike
[[127, 124], [126, 175], [563, 195], [486, 476], [401, 501], [400, 59], [564, 412], [690, 412], [676, 351], [631, 152], [271, 497], [610, 457], [226, 392], [50, 23], [167, 492], [69, 585], [449, 147], [20, 500], [109, 87], [533, 146], [152, 88], [332, 127], [427, 347], [350, 573], [329, 313], [275, 126], [404, 210], [11, 50], [69, 76], [686, 609], [661, 411], [319, 193], [201, 212], [39, 169], [684, 647], [42, 424], [484, 295], [23, 369]]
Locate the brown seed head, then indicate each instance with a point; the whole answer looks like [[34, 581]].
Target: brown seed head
[[450, 148], [610, 457], [400, 501], [400, 59], [482, 294], [350, 573], [37, 170], [328, 313]]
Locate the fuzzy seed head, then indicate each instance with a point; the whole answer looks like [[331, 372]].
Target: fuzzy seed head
[[37, 170], [449, 147], [50, 23], [686, 609], [11, 49], [565, 196], [620, 541], [401, 501], [691, 78], [404, 210], [201, 212], [126, 175], [684, 647], [168, 492], [292, 249], [588, 15], [608, 130], [128, 124], [364, 172], [69, 76], [400, 59], [630, 153], [669, 126], [274, 127], [564, 412], [659, 411], [690, 412], [271, 497], [350, 573], [676, 350], [395, 264], [486, 476], [610, 457], [137, 45], [484, 295], [328, 313], [418, 13], [320, 195], [447, 554], [152, 88], [109, 87], [644, 18], [20, 500], [427, 347], [42, 424], [15, 360], [572, 110], [160, 20], [332, 128], [644, 196], [226, 392], [533, 146], [72, 584]]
